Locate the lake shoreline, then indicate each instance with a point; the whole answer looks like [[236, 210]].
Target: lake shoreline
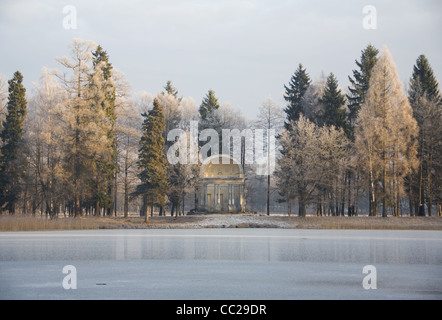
[[38, 223]]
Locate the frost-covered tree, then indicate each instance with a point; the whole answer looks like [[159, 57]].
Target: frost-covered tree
[[313, 110], [182, 177], [189, 114], [45, 149], [189, 111], [385, 135], [308, 161], [334, 113], [94, 91], [333, 149], [171, 106], [85, 122], [128, 134], [3, 98], [143, 101], [270, 117], [178, 173]]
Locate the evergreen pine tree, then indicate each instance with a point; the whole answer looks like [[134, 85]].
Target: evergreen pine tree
[[171, 107], [423, 82], [360, 83], [358, 88], [11, 159], [294, 95], [106, 163], [425, 184], [210, 118], [152, 161], [170, 89], [333, 103], [209, 105]]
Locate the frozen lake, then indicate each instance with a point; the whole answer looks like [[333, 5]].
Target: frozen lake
[[221, 264]]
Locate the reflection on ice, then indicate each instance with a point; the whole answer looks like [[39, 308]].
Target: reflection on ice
[[284, 245], [403, 247]]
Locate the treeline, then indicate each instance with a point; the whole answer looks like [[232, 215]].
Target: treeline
[[59, 148], [374, 140], [81, 142]]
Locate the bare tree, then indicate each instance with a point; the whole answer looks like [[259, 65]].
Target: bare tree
[[85, 124], [3, 98], [128, 136], [270, 117], [44, 130], [310, 159]]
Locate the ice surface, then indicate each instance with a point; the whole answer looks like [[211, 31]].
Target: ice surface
[[221, 264]]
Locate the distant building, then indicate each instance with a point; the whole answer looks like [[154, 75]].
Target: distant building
[[221, 185]]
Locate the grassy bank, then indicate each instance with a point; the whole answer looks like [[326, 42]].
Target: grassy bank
[[37, 223], [372, 223], [29, 223], [25, 223]]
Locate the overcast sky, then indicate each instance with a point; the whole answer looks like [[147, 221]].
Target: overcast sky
[[244, 50]]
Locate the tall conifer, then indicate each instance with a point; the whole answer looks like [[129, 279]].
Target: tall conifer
[[294, 95], [106, 162], [333, 103], [360, 83], [11, 159], [152, 160], [425, 184], [209, 105]]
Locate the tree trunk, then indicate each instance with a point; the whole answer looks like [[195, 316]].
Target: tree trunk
[[421, 182], [301, 208], [429, 188], [349, 202], [126, 183], [126, 202], [115, 194], [146, 218], [97, 208], [370, 198], [319, 209], [143, 209], [384, 191], [268, 193], [184, 196]]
